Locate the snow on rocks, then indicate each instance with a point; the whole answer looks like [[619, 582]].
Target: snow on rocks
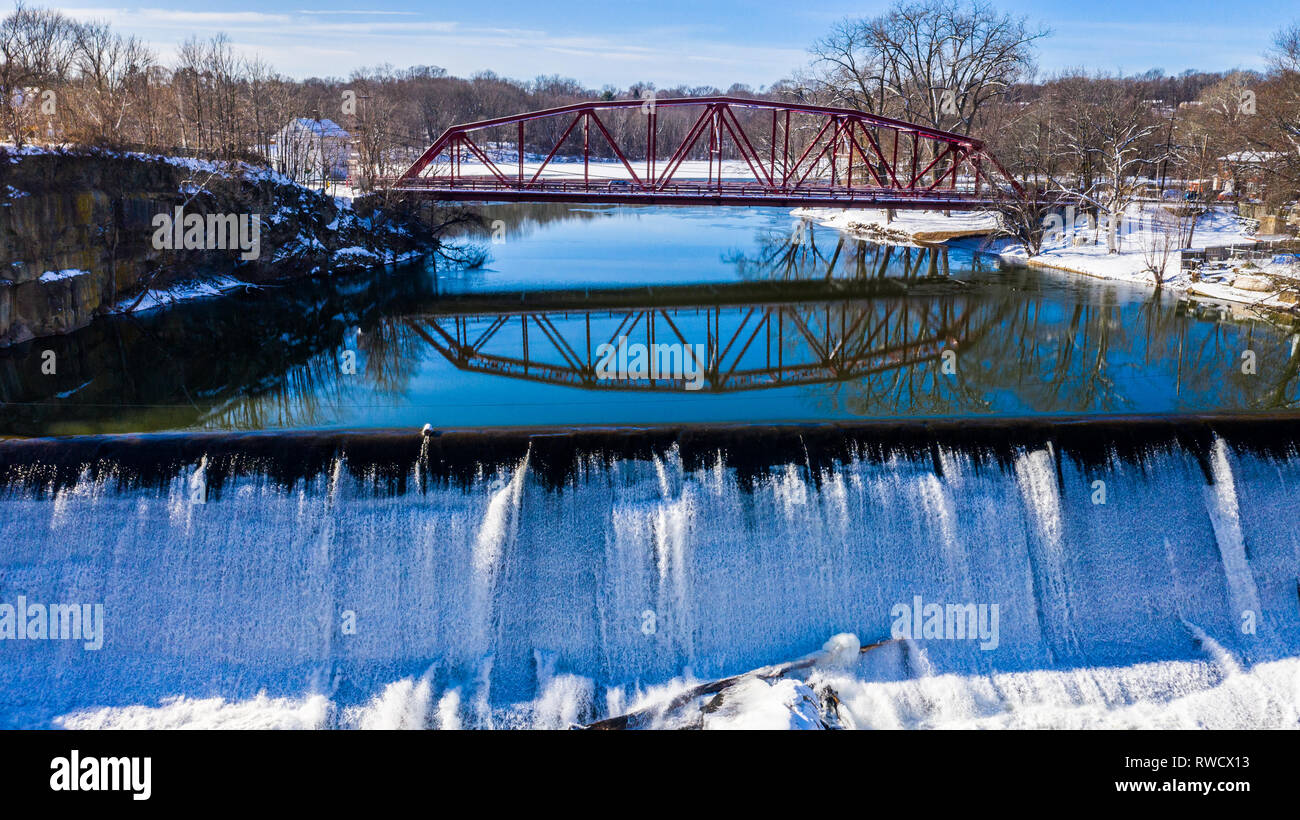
[[754, 703], [182, 292], [57, 275]]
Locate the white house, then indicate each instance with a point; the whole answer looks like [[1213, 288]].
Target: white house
[[314, 152]]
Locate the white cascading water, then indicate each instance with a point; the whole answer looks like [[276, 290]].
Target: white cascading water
[[509, 603], [499, 527], [1036, 475], [1225, 515]]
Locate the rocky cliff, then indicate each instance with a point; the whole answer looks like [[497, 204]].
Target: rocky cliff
[[84, 233]]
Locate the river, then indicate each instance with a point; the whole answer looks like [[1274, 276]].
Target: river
[[799, 325], [259, 567]]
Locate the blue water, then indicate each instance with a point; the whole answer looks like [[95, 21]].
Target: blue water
[[510, 601], [1027, 342], [631, 246]]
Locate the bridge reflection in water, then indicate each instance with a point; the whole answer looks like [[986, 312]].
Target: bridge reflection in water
[[799, 255], [786, 342], [746, 346]]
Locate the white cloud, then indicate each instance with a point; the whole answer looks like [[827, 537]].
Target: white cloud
[[170, 18], [334, 42], [358, 12]]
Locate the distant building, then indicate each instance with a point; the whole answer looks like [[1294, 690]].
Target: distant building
[[1242, 172], [312, 152]]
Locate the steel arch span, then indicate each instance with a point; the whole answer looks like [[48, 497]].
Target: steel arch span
[[711, 151]]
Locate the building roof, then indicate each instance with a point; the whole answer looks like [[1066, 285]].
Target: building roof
[[1250, 156], [322, 128]]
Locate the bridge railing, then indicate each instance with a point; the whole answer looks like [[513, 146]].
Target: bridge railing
[[702, 188]]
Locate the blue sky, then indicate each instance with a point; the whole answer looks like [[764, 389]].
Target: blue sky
[[669, 42]]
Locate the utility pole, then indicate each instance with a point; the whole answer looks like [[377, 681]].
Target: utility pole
[[367, 142], [1169, 138]]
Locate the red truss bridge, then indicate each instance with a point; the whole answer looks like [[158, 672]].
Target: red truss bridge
[[708, 151]]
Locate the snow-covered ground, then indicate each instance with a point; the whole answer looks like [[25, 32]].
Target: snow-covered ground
[[571, 168], [1255, 283], [1085, 251], [905, 226]]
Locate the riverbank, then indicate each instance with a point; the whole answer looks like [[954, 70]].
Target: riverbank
[[904, 227], [1269, 284], [86, 233]]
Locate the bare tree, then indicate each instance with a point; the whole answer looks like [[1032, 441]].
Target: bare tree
[[268, 104], [1028, 143], [1275, 133], [36, 51], [375, 132], [113, 71], [1160, 242], [1286, 65], [936, 62], [1109, 138]]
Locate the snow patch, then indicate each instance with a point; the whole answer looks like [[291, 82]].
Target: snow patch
[[59, 275]]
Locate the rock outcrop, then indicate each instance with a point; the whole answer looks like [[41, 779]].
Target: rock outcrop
[[78, 233]]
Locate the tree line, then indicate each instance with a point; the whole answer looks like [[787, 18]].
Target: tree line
[[957, 65]]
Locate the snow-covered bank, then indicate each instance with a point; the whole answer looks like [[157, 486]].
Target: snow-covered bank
[[1269, 283], [905, 226], [1261, 284], [188, 291]]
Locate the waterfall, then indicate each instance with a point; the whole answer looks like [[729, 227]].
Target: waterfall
[[499, 527], [507, 599], [498, 530], [1036, 477], [1225, 515]]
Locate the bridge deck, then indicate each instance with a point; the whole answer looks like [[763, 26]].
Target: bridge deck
[[698, 193]]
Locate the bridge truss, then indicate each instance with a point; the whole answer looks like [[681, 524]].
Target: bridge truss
[[746, 347], [709, 150]]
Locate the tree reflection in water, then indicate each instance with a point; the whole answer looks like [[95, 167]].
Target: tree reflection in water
[[832, 327]]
